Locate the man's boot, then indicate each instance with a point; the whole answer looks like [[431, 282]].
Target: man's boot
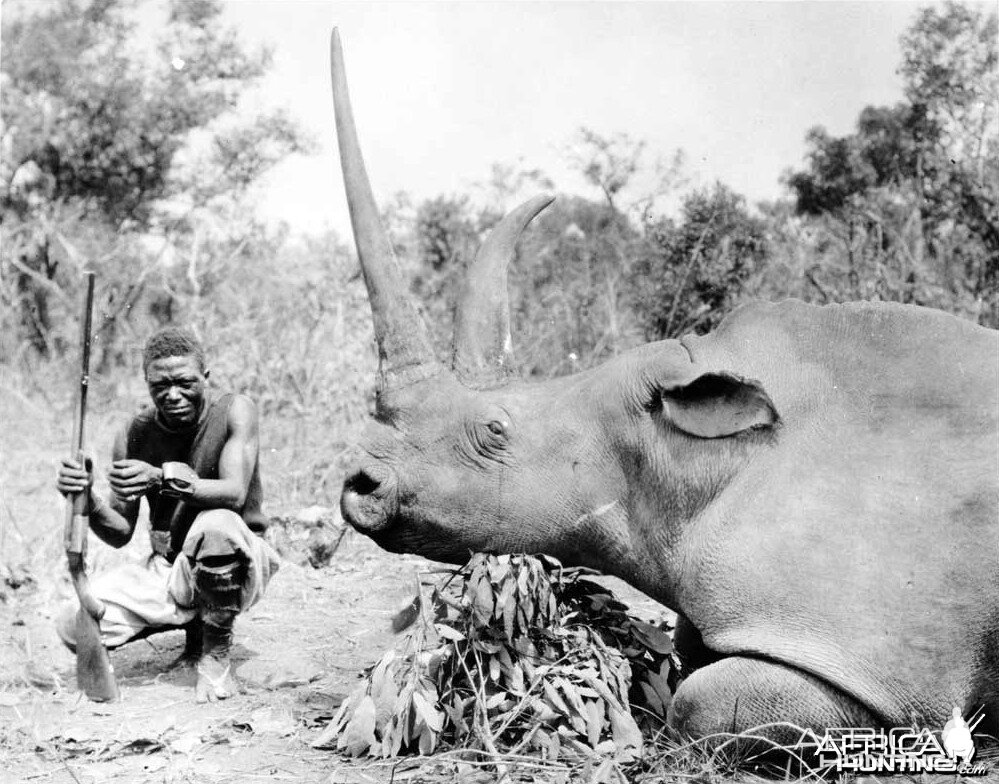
[[193, 642], [219, 583]]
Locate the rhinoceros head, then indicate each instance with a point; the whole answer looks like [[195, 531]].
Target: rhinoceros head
[[463, 457]]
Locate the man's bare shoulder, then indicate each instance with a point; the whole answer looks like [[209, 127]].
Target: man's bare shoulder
[[242, 411]]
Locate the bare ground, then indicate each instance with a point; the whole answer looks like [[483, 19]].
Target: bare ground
[[297, 653]]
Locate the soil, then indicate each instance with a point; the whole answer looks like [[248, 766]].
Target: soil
[[297, 654]]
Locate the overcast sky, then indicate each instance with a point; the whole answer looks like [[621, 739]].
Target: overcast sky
[[443, 90]]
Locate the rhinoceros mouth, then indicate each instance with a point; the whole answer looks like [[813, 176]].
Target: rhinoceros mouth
[[427, 538], [373, 504], [411, 543]]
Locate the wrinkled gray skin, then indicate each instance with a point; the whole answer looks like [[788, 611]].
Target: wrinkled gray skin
[[813, 490]]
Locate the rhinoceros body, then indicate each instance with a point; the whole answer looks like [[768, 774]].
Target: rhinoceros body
[[814, 490], [860, 544]]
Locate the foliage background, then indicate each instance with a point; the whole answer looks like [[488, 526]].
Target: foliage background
[[133, 161]]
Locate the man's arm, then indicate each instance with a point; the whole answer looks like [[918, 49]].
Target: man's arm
[[236, 462], [112, 521]]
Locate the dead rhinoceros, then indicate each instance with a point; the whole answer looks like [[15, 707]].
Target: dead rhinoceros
[[814, 490]]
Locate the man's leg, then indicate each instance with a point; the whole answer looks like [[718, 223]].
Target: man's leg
[[218, 581], [137, 603], [221, 571]]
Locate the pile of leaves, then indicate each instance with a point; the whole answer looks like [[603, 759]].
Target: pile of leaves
[[513, 655]]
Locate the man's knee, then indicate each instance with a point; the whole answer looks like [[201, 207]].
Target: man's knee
[[215, 533], [219, 582]]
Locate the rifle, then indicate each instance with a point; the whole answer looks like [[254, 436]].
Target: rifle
[[94, 673]]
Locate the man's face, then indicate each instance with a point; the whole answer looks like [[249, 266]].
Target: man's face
[[177, 387]]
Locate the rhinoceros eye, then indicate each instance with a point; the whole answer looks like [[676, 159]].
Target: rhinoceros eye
[[487, 439]]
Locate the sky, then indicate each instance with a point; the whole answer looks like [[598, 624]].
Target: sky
[[442, 90]]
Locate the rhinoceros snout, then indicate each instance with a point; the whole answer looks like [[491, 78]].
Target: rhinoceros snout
[[367, 499]]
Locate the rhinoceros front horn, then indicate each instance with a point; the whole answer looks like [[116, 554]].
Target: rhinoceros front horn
[[405, 351], [482, 349]]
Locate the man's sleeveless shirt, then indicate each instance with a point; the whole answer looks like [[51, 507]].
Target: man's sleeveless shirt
[[200, 446]]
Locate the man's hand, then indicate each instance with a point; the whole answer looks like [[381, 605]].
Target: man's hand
[[74, 477], [131, 479]]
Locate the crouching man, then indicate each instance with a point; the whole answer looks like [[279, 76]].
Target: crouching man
[[193, 455]]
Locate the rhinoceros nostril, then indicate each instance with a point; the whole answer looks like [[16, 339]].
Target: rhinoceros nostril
[[362, 483], [365, 500]]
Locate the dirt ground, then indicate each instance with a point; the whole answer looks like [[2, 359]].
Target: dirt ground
[[297, 653]]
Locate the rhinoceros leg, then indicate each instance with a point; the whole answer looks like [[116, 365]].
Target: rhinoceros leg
[[690, 647], [736, 694]]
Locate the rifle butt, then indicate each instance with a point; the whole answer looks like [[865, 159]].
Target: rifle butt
[[94, 673]]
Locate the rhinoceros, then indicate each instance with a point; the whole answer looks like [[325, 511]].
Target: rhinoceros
[[813, 490]]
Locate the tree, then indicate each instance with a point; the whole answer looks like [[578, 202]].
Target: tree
[[448, 232], [699, 266], [949, 61], [617, 165], [848, 191], [912, 197], [570, 302], [585, 250], [511, 184], [951, 68], [99, 160]]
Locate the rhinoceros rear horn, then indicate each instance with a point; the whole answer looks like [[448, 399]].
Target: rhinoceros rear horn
[[717, 405], [405, 351], [483, 350]]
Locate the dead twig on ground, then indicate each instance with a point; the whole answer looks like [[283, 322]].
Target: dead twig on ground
[[71, 772]]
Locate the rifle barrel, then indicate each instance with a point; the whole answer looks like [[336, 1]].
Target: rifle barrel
[[78, 505], [79, 421]]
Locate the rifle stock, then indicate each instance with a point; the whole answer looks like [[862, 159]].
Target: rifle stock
[[94, 673]]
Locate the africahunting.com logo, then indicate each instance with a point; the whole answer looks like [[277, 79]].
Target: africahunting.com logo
[[903, 750]]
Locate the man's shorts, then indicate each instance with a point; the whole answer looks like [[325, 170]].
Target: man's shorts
[[159, 596]]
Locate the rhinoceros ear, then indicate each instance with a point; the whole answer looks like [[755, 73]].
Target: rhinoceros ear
[[716, 405]]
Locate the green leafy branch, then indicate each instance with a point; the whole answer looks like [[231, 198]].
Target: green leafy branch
[[519, 656]]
